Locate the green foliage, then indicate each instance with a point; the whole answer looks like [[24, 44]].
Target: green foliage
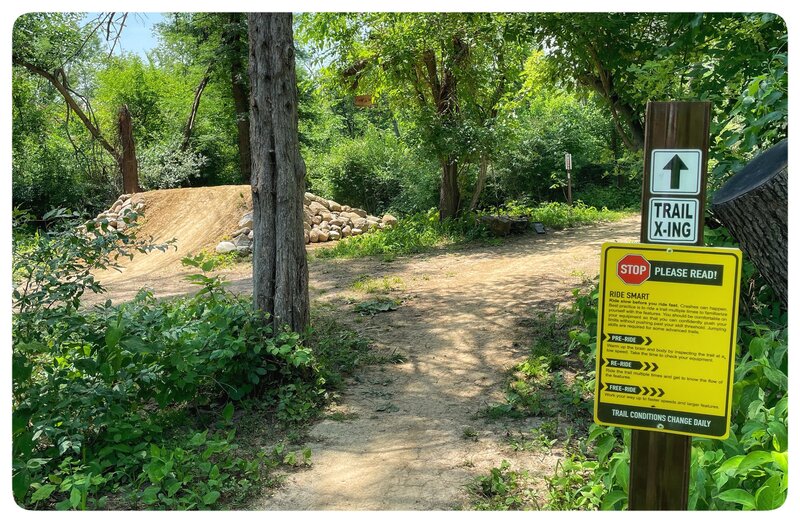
[[376, 172], [557, 215], [504, 489], [167, 165], [373, 307], [107, 403], [415, 233]]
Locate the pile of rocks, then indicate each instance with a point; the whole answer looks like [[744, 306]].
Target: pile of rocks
[[323, 221], [116, 215]]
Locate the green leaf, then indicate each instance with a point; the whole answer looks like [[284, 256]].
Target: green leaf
[[781, 459], [777, 377], [113, 335], [770, 496], [211, 497], [753, 460], [20, 483], [150, 494], [75, 497], [612, 498], [172, 486], [758, 347], [739, 496], [42, 492], [137, 345], [227, 412], [730, 466], [198, 439]]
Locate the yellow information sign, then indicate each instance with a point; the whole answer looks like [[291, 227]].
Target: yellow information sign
[[666, 337]]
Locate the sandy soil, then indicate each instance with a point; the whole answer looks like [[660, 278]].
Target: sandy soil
[[401, 445]]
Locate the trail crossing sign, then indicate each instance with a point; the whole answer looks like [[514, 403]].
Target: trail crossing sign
[[674, 189], [673, 220], [675, 171], [666, 338]]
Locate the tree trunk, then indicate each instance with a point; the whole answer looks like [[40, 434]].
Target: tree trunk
[[753, 205], [449, 196], [482, 169], [128, 164], [198, 93], [240, 102], [280, 270]]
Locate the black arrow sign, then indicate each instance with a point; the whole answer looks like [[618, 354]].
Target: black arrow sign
[[675, 166], [652, 392], [625, 338]]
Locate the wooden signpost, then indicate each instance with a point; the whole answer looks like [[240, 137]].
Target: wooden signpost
[[667, 315], [659, 478], [568, 166]]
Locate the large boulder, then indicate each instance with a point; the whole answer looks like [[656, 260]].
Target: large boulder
[[225, 247], [247, 220], [389, 220], [317, 208]]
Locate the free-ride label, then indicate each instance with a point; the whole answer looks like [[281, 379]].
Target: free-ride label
[[666, 339]]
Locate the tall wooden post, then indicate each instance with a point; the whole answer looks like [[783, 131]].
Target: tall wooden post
[[127, 160], [568, 166], [659, 469]]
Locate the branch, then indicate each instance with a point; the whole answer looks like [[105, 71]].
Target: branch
[[65, 92], [187, 133]]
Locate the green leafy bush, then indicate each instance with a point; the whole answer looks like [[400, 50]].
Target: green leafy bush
[[167, 165], [376, 172], [106, 402]]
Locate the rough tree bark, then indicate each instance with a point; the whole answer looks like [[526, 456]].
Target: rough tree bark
[[753, 205], [128, 163], [240, 99], [280, 270]]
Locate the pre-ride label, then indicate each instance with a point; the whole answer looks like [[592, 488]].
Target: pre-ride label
[[667, 318]]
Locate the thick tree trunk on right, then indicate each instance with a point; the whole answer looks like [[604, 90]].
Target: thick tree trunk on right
[[128, 163], [753, 205], [280, 270]]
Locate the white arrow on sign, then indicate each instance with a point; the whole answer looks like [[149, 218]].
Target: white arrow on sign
[[675, 171]]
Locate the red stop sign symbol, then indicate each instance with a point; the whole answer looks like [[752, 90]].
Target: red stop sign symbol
[[633, 269]]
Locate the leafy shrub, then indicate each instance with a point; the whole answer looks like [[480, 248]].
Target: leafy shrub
[[376, 172], [102, 399], [557, 215], [167, 165]]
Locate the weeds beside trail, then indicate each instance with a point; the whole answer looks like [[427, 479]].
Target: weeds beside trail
[[422, 232]]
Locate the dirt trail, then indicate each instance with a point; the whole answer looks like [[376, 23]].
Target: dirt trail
[[404, 448], [401, 443]]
